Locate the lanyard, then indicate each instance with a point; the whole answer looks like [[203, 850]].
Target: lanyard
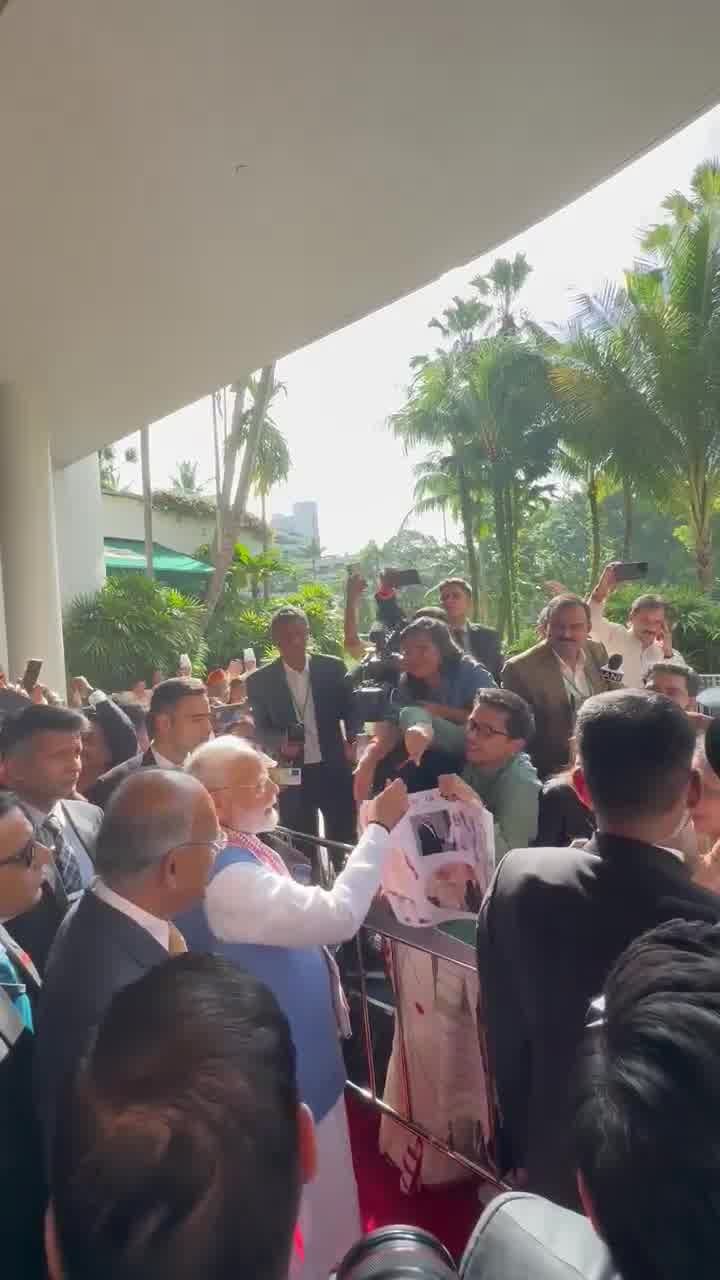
[[301, 714]]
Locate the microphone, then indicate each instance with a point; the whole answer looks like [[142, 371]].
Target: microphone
[[613, 670]]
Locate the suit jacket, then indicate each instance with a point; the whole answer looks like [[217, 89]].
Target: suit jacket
[[101, 791], [22, 1185], [552, 925], [35, 929], [524, 1235], [485, 647], [537, 677], [274, 712], [96, 953]]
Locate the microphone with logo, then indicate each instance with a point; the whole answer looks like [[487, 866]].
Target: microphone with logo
[[612, 672]]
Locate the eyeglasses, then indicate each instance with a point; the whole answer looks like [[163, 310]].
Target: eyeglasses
[[24, 857], [485, 730], [215, 846]]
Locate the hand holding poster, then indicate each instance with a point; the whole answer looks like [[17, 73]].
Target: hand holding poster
[[441, 861]]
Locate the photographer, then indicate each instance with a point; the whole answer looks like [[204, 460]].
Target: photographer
[[645, 640]]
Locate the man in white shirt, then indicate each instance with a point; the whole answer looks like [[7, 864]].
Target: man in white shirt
[[179, 720], [645, 640], [258, 917], [154, 854], [303, 707]]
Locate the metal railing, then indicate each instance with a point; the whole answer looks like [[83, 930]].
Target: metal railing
[[432, 942]]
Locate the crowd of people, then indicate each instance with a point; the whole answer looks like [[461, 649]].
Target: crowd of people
[[172, 1081]]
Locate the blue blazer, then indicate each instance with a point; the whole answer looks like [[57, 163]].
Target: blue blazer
[[97, 952]]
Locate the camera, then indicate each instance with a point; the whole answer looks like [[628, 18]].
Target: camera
[[397, 1253]]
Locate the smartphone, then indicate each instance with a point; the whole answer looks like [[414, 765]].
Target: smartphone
[[286, 776], [401, 578], [32, 674], [628, 570]]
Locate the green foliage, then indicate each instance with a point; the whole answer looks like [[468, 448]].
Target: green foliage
[[235, 625], [129, 628], [695, 617]]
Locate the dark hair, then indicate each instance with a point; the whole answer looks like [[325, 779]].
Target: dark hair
[[647, 1116], [176, 1156], [288, 613], [565, 602], [167, 694], [648, 601], [23, 725], [430, 611], [438, 633], [519, 719], [117, 728], [8, 802], [635, 750], [456, 582], [690, 677], [136, 714]]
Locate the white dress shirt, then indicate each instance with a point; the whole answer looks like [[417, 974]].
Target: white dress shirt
[[162, 762], [84, 861], [157, 928], [304, 703], [577, 684], [251, 903], [637, 660]]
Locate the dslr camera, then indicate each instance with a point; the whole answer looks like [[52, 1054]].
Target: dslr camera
[[375, 679]]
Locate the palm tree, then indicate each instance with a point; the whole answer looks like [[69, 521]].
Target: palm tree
[[314, 552], [430, 417], [439, 487], [185, 480], [503, 284], [667, 353], [147, 500], [244, 436]]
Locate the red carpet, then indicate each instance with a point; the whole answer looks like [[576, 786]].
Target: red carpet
[[450, 1213]]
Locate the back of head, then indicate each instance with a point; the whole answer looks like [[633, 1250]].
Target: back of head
[[150, 813], [648, 1107], [635, 751], [176, 1157]]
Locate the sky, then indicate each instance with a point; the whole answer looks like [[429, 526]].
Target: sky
[[341, 390]]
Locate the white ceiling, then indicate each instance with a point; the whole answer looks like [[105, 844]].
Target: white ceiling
[[385, 141]]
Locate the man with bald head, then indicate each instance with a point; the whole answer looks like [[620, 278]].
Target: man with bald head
[[154, 854], [259, 918]]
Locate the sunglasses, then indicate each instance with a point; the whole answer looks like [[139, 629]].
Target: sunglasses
[[24, 857]]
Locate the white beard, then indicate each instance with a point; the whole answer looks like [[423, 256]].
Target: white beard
[[259, 821]]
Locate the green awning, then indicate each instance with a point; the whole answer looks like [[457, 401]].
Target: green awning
[[127, 555]]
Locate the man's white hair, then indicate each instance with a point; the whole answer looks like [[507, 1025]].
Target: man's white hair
[[209, 763]]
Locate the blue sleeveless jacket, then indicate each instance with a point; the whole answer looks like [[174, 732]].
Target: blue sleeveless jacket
[[299, 979]]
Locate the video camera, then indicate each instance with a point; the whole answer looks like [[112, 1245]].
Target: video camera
[[397, 1253], [375, 679]]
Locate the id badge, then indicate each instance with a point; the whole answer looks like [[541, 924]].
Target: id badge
[[287, 776]]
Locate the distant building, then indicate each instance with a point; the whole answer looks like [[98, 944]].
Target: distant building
[[299, 528]]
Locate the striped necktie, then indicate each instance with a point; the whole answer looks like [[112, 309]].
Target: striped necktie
[[65, 858]]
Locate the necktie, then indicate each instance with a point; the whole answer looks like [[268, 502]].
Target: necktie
[[65, 859], [177, 946], [12, 983]]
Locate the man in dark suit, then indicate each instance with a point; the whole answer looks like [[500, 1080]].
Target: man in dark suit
[[482, 643], [299, 703], [22, 1185], [180, 721], [555, 677], [154, 853], [41, 750], [554, 921]]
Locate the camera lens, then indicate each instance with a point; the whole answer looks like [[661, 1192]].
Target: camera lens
[[397, 1253]]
